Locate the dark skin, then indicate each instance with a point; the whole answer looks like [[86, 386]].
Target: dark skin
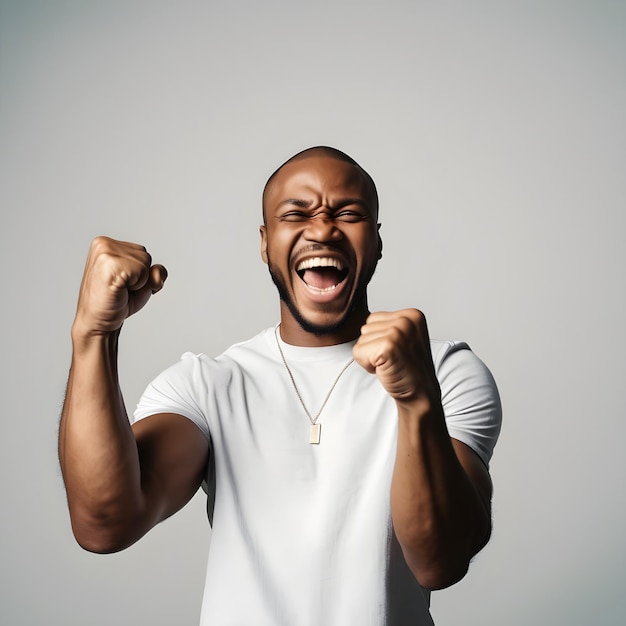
[[313, 210], [441, 490], [320, 239], [120, 480]]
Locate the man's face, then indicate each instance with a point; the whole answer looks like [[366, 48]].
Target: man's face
[[320, 241]]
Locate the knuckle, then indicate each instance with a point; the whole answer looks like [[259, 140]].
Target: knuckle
[[414, 320], [415, 315], [404, 327], [106, 268], [100, 243]]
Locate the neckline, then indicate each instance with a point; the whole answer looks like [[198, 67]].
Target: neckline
[[340, 351]]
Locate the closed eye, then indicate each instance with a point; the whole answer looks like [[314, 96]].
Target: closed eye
[[294, 216], [347, 215], [342, 216]]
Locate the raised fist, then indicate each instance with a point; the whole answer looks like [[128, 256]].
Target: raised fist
[[119, 279], [396, 347]]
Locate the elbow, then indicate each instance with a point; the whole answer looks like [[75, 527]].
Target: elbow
[[441, 568], [440, 575], [101, 537], [436, 568], [98, 544]]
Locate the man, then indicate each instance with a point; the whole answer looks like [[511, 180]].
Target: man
[[344, 454]]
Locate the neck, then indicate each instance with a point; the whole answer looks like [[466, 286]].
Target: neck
[[294, 334]]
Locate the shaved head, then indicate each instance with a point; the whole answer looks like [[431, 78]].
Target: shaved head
[[324, 151]]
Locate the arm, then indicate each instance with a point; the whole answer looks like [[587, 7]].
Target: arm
[[441, 490], [120, 481]]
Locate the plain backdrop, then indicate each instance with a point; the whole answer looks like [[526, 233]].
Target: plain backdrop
[[496, 133]]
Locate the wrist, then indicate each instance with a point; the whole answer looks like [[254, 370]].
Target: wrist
[[420, 410], [420, 424], [84, 338]]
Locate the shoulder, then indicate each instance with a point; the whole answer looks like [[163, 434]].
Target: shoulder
[[197, 366], [469, 396], [197, 375], [456, 364], [441, 349], [190, 385], [256, 347]]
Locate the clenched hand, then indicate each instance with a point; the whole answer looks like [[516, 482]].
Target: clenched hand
[[396, 347], [118, 280]]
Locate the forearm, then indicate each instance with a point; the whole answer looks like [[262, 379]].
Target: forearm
[[440, 517], [97, 449]]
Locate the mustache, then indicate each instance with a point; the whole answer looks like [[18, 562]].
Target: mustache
[[317, 249]]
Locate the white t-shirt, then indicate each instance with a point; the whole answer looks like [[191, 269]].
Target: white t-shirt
[[301, 533]]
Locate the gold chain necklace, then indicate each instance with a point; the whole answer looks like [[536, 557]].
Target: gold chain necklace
[[315, 430]]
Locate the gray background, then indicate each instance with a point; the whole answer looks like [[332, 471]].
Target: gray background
[[496, 133]]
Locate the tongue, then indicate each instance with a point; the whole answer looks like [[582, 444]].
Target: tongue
[[321, 277]]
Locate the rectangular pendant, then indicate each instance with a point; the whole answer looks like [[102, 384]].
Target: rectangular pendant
[[314, 433]]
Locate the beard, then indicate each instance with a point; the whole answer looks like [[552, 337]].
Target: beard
[[359, 296]]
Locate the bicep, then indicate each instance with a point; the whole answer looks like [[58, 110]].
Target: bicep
[[173, 455], [479, 477], [475, 470]]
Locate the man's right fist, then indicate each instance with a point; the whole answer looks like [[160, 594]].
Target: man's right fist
[[119, 279]]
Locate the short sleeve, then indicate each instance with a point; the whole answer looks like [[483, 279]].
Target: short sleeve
[[469, 396], [183, 389], [179, 389]]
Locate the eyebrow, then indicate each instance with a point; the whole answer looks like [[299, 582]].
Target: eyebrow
[[305, 204]]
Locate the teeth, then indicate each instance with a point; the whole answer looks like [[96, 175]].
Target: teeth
[[319, 261], [325, 290]]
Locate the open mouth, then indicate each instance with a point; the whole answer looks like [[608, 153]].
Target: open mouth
[[322, 274]]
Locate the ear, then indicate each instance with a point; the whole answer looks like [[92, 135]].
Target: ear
[[263, 231], [380, 243]]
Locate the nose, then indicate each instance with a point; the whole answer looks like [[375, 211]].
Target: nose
[[322, 227]]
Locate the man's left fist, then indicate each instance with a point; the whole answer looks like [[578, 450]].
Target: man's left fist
[[396, 347]]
